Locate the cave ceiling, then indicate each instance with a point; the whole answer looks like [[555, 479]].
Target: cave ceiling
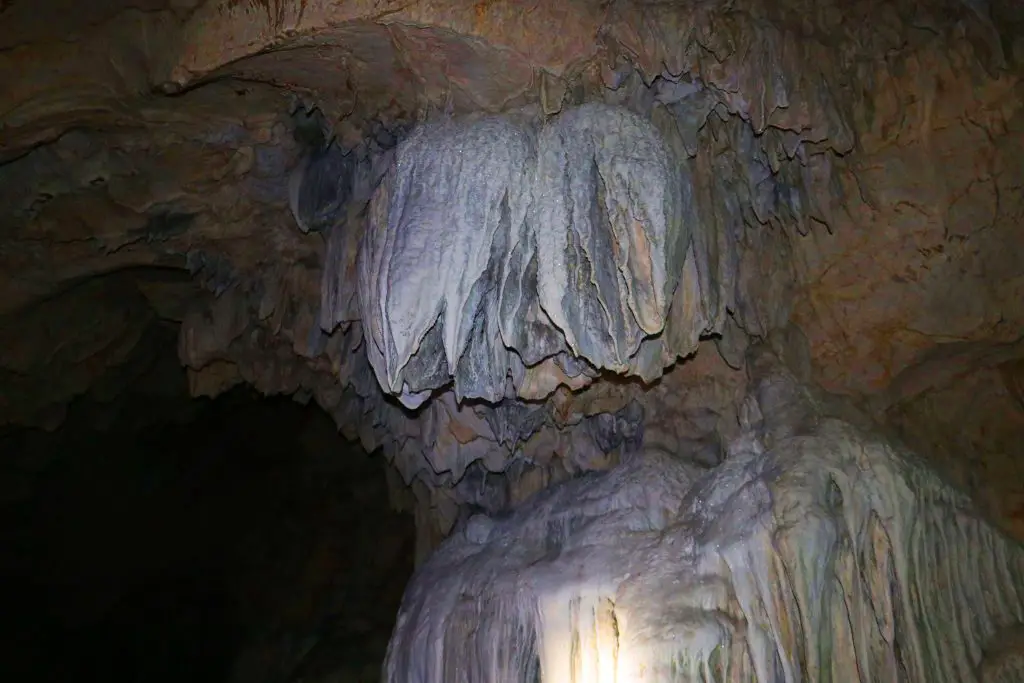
[[843, 173]]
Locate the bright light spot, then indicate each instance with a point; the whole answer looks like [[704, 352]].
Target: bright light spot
[[580, 640]]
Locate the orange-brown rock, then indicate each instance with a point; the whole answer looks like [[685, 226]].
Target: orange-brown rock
[[863, 160]]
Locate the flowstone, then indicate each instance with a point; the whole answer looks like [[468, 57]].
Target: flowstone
[[495, 244], [815, 552]]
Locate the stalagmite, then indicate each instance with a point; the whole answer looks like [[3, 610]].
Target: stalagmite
[[815, 552]]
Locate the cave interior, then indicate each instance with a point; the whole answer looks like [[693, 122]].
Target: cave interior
[[512, 342]]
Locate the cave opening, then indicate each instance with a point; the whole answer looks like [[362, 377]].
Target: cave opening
[[157, 537]]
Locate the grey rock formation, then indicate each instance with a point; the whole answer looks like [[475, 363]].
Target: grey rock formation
[[320, 187], [495, 244], [815, 551]]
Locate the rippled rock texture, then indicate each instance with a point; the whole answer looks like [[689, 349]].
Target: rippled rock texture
[[815, 552]]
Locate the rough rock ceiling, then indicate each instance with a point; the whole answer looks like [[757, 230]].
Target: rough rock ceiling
[[848, 190]]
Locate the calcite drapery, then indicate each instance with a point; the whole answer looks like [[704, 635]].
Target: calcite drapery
[[816, 551]]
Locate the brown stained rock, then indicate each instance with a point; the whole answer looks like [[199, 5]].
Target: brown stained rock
[[93, 203], [486, 52], [929, 255], [551, 35], [61, 348], [971, 427], [544, 378], [213, 379], [52, 84], [907, 132]]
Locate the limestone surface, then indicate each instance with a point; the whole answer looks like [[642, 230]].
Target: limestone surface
[[509, 245], [815, 551]]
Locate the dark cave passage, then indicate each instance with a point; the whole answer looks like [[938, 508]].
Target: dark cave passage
[[157, 539]]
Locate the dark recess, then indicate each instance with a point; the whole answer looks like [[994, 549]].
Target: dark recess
[[184, 540]]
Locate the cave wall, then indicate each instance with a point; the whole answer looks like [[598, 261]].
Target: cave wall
[[854, 199]]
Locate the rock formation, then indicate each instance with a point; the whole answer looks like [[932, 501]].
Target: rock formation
[[512, 245], [816, 551]]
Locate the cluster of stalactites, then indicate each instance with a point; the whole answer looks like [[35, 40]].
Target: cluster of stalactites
[[512, 257]]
